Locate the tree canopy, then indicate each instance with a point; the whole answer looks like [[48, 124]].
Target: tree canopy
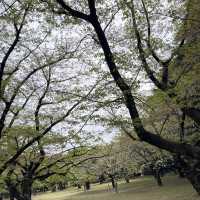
[[72, 69]]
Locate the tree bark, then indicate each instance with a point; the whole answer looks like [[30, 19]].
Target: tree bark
[[181, 173], [13, 192], [112, 180], [193, 113], [179, 165], [191, 169], [194, 178], [158, 178], [12, 197], [1, 196], [26, 188]]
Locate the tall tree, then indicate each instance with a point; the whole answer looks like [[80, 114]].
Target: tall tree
[[32, 80], [90, 14]]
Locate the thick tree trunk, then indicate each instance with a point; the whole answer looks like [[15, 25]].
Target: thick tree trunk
[[192, 173], [191, 169], [12, 197], [179, 166], [26, 188], [194, 179], [193, 113], [1, 196]]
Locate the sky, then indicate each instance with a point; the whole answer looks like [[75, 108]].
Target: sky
[[70, 34]]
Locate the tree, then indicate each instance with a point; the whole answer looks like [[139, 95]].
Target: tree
[[113, 166], [186, 150], [39, 163], [33, 82], [16, 91], [95, 18], [138, 157]]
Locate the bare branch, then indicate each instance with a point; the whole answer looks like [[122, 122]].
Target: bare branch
[[72, 12], [12, 47]]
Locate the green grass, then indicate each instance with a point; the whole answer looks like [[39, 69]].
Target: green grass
[[139, 189]]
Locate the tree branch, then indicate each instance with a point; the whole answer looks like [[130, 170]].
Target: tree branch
[[72, 12]]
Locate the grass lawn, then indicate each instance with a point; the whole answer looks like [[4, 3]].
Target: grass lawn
[[144, 188]]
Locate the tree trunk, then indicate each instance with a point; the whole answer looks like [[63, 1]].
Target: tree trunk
[[157, 176], [87, 185], [179, 165], [192, 173], [112, 180], [116, 188], [26, 188], [194, 179], [127, 179], [13, 192], [12, 197], [180, 173], [190, 167], [1, 196]]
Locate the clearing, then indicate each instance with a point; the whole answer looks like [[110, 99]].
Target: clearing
[[143, 188]]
